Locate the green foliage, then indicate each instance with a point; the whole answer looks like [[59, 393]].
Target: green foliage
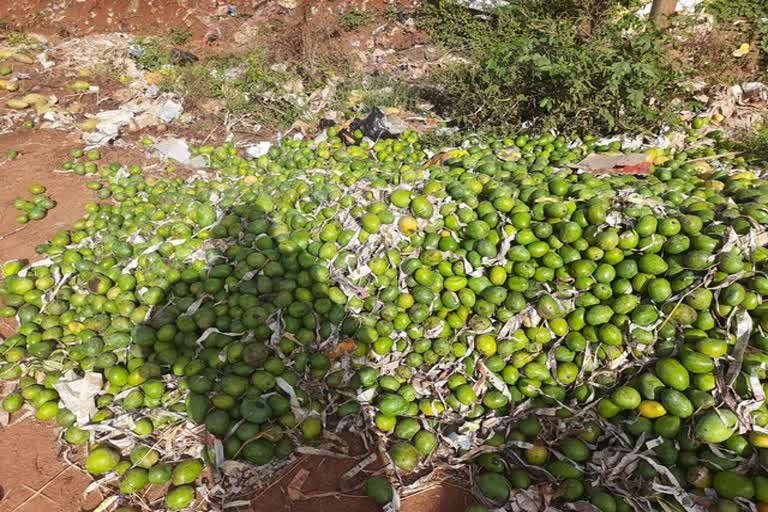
[[248, 87], [754, 12], [155, 54], [733, 10], [754, 146], [354, 19], [564, 63], [395, 12], [20, 39], [179, 37], [366, 92]]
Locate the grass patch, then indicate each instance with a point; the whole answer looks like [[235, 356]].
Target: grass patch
[[747, 16], [363, 93], [20, 39], [152, 53], [354, 19], [179, 37], [248, 86], [754, 145], [572, 64]]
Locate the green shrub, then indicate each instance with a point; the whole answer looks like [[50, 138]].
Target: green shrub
[[754, 12], [178, 36], [754, 146], [154, 54], [248, 86], [563, 63], [354, 19]]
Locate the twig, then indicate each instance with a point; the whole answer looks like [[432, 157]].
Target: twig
[[41, 494], [215, 128], [40, 491], [12, 232], [715, 157]]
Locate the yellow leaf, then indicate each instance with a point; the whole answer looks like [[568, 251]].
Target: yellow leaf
[[741, 50]]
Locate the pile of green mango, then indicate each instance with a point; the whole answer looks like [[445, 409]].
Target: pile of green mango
[[490, 304]]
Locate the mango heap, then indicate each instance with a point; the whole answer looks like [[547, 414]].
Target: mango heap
[[597, 336]]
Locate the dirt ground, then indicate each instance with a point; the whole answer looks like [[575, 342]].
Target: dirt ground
[[33, 478], [33, 475]]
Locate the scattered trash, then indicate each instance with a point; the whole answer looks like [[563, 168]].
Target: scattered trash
[[136, 52], [751, 91], [633, 163], [152, 91], [741, 50], [170, 111], [379, 125], [683, 7], [78, 393], [259, 149], [178, 150], [447, 131], [44, 61], [108, 124], [482, 5], [144, 120]]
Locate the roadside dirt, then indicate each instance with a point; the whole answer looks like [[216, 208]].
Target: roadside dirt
[[40, 152], [32, 476]]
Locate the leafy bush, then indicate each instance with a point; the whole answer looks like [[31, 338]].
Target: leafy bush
[[248, 86], [754, 146], [754, 12], [354, 19], [152, 54], [364, 92], [562, 63], [178, 36]]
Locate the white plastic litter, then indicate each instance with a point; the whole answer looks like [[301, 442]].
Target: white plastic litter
[[78, 394], [259, 149], [177, 149]]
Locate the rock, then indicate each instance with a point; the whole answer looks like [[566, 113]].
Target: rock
[[181, 57]]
